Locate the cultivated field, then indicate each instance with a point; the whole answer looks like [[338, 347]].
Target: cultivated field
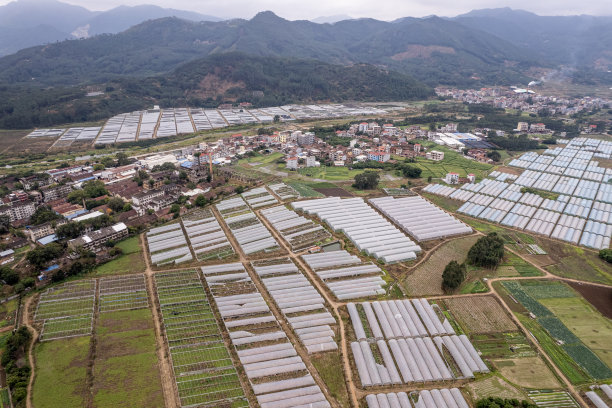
[[481, 314], [427, 278], [494, 386], [528, 372], [203, 369]]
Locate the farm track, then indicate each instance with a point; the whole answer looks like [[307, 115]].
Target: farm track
[[27, 323], [170, 392], [272, 305], [329, 299]]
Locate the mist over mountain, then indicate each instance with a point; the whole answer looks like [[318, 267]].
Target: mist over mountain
[[26, 23]]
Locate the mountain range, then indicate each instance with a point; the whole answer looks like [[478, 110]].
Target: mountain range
[[26, 23], [434, 50]]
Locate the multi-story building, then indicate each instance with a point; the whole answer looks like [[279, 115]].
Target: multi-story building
[[380, 155], [435, 155], [18, 211], [311, 161], [145, 197], [292, 163], [55, 192], [305, 139], [522, 127], [36, 232], [452, 178], [39, 180], [95, 241]]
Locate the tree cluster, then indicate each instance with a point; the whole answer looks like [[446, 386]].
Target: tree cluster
[[43, 214], [14, 361], [496, 402], [368, 180], [487, 252], [453, 276], [42, 255]]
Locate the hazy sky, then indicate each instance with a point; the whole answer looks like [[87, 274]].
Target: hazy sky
[[380, 9]]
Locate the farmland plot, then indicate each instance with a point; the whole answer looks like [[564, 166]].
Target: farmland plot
[[123, 293], [67, 310], [206, 235], [203, 369], [274, 369], [480, 314], [426, 279]]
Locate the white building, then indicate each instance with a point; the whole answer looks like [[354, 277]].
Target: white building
[[292, 163], [452, 178], [435, 155]]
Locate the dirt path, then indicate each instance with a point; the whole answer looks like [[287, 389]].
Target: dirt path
[[165, 369], [334, 305], [301, 350], [27, 323]]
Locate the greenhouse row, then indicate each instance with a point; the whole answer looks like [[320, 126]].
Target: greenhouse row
[[206, 236], [259, 197], [167, 244], [417, 359], [298, 231], [251, 234], [437, 398], [278, 376], [420, 218], [565, 218], [368, 230], [463, 352], [596, 399], [301, 304], [171, 122], [148, 124], [283, 191], [77, 134], [399, 318], [346, 275]]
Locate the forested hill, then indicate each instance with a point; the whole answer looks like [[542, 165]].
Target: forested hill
[[433, 50], [229, 77]]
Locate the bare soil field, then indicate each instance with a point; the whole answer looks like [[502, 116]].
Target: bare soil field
[[426, 279], [333, 192], [598, 296], [481, 314]]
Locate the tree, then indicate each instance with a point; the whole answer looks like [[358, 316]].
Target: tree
[[122, 159], [116, 204], [175, 208], [43, 214], [453, 275], [487, 252], [411, 171], [5, 223], [70, 230], [276, 118], [368, 180], [41, 255], [494, 155], [606, 255], [239, 190], [8, 275], [200, 201]]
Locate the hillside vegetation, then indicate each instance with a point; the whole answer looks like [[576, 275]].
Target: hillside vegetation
[[232, 77]]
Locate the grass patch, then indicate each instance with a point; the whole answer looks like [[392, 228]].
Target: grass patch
[[7, 313], [261, 159], [61, 372], [528, 372], [329, 366], [125, 368], [330, 173], [131, 261]]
